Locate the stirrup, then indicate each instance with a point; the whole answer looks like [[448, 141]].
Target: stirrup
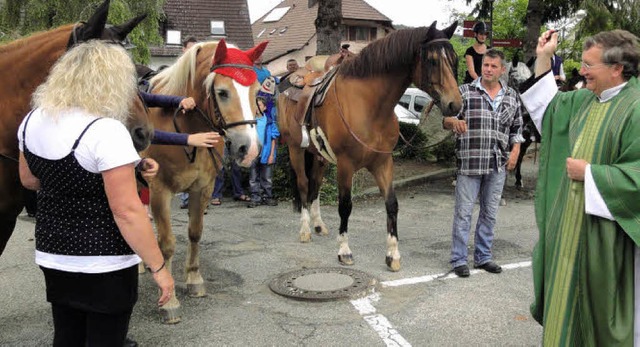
[[305, 137]]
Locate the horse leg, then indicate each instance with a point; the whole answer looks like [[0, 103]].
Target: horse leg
[[296, 159], [345, 205], [315, 182], [384, 177], [195, 282], [523, 150], [160, 201], [11, 203]]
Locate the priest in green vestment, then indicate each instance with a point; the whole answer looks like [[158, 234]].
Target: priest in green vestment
[[588, 195]]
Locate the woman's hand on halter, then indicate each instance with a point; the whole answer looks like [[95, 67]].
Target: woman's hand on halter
[[203, 139], [187, 104]]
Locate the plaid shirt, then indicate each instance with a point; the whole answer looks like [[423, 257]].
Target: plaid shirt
[[492, 127]]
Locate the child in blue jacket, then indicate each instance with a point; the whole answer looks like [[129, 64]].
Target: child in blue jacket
[[262, 168]]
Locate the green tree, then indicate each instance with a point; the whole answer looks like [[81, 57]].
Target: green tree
[[538, 12], [19, 18]]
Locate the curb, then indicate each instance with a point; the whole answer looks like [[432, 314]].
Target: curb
[[407, 182]]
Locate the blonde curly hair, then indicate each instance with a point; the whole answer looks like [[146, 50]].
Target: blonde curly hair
[[96, 77]]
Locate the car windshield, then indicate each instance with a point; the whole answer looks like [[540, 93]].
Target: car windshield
[[404, 101], [420, 103]]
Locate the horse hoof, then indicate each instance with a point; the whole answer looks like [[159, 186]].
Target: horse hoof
[[393, 264], [321, 231], [305, 237], [345, 259], [170, 315], [196, 290]]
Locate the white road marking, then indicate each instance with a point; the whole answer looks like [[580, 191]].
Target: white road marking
[[378, 322], [444, 276], [381, 325]]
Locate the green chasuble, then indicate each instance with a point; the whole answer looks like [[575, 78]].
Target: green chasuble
[[583, 265]]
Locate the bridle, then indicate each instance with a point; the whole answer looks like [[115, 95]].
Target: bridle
[[427, 67], [211, 98], [218, 123]]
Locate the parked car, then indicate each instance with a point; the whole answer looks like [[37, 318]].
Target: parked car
[[405, 116], [414, 100]]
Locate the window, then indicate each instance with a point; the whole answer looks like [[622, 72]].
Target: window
[[357, 33], [276, 14], [404, 101], [173, 37], [217, 28], [273, 31], [420, 103], [261, 32], [283, 30]]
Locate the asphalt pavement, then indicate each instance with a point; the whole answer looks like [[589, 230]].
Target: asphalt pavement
[[243, 249]]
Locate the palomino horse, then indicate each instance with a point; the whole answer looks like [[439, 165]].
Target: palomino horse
[[229, 106], [356, 126], [24, 65]]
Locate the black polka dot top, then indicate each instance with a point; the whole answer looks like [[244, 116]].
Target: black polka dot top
[[73, 216]]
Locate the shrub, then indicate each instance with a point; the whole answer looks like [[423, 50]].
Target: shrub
[[282, 175], [415, 148]]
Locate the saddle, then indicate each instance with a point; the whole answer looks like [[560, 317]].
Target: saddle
[[145, 74], [309, 89]]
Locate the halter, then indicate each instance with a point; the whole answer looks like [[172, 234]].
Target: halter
[[223, 125], [425, 84]]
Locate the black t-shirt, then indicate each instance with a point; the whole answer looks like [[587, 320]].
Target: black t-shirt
[[477, 63]]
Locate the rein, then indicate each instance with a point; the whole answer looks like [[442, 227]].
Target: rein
[[212, 152], [340, 113], [8, 157]]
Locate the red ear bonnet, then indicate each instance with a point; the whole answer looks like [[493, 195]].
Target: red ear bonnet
[[245, 74]]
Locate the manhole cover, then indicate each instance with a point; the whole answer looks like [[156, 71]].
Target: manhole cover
[[323, 284]]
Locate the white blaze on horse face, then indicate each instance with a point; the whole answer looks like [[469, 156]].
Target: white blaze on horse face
[[245, 96]]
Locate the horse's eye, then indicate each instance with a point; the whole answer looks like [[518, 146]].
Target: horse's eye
[[223, 94]]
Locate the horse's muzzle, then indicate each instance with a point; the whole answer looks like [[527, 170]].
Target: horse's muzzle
[[141, 137]]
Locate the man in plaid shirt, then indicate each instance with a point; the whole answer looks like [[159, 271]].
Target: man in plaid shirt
[[488, 136]]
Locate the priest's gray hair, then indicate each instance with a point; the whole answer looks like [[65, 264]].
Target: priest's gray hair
[[618, 47], [96, 77]]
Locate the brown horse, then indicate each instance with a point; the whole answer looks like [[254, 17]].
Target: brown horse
[[228, 106], [356, 128], [24, 65]]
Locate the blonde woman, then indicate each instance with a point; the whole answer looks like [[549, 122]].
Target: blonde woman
[[91, 228]]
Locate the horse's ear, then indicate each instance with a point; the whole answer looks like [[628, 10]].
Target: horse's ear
[[121, 31], [95, 25], [255, 52], [451, 29], [516, 60], [221, 53]]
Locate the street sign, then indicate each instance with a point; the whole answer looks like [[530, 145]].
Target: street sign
[[507, 43]]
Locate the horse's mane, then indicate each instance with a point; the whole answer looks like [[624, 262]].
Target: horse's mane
[[394, 52], [175, 78], [36, 39]]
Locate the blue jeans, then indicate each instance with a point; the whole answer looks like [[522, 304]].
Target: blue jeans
[[236, 182], [468, 188], [260, 177]]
